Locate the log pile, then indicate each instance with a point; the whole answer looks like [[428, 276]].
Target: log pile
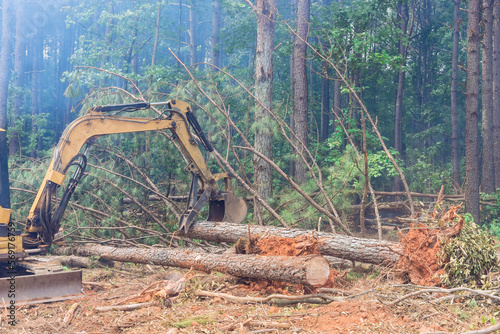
[[297, 256]]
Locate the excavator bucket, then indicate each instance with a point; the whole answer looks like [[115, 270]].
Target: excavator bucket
[[231, 209]]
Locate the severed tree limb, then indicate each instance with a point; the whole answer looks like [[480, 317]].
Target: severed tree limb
[[486, 330], [139, 204], [250, 189], [402, 193], [272, 299], [157, 194], [364, 110], [298, 189], [69, 315], [130, 307], [372, 192], [317, 178], [70, 261], [442, 290]]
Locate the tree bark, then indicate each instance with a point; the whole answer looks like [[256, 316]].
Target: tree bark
[[341, 246], [266, 17], [312, 269], [19, 55], [157, 34], [325, 103], [5, 52], [179, 33], [471, 111], [71, 261], [454, 82], [488, 175], [192, 33], [300, 85], [398, 109], [4, 90], [37, 57], [215, 39], [337, 100], [496, 94]]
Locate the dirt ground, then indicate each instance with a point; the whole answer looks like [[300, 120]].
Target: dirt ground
[[367, 312]]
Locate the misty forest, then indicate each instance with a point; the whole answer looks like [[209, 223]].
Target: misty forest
[[358, 119]]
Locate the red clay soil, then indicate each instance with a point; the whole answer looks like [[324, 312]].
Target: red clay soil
[[421, 247]]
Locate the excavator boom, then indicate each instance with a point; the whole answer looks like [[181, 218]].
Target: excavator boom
[[43, 220]]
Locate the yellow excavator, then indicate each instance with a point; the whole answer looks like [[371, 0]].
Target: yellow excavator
[[44, 219]]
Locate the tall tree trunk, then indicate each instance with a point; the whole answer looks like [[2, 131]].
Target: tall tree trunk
[[398, 109], [471, 111], [325, 103], [488, 175], [300, 85], [192, 33], [337, 99], [37, 57], [19, 55], [293, 15], [266, 16], [135, 60], [215, 39], [179, 33], [157, 33], [496, 94], [454, 81], [69, 48], [5, 52]]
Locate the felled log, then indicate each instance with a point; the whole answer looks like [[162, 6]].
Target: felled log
[[130, 307], [340, 246], [312, 269], [70, 261], [403, 194]]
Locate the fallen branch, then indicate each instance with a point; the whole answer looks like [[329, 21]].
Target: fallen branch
[[69, 261], [130, 307], [69, 315], [402, 193], [272, 299], [442, 290], [486, 330]]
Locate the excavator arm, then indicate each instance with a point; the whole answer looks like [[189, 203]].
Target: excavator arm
[[44, 221]]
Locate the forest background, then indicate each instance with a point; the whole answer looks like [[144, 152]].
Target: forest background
[[307, 101]]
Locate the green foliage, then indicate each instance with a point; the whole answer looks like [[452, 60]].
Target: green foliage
[[426, 176], [490, 213], [200, 319], [469, 257]]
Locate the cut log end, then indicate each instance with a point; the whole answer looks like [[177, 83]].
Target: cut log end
[[317, 271]]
